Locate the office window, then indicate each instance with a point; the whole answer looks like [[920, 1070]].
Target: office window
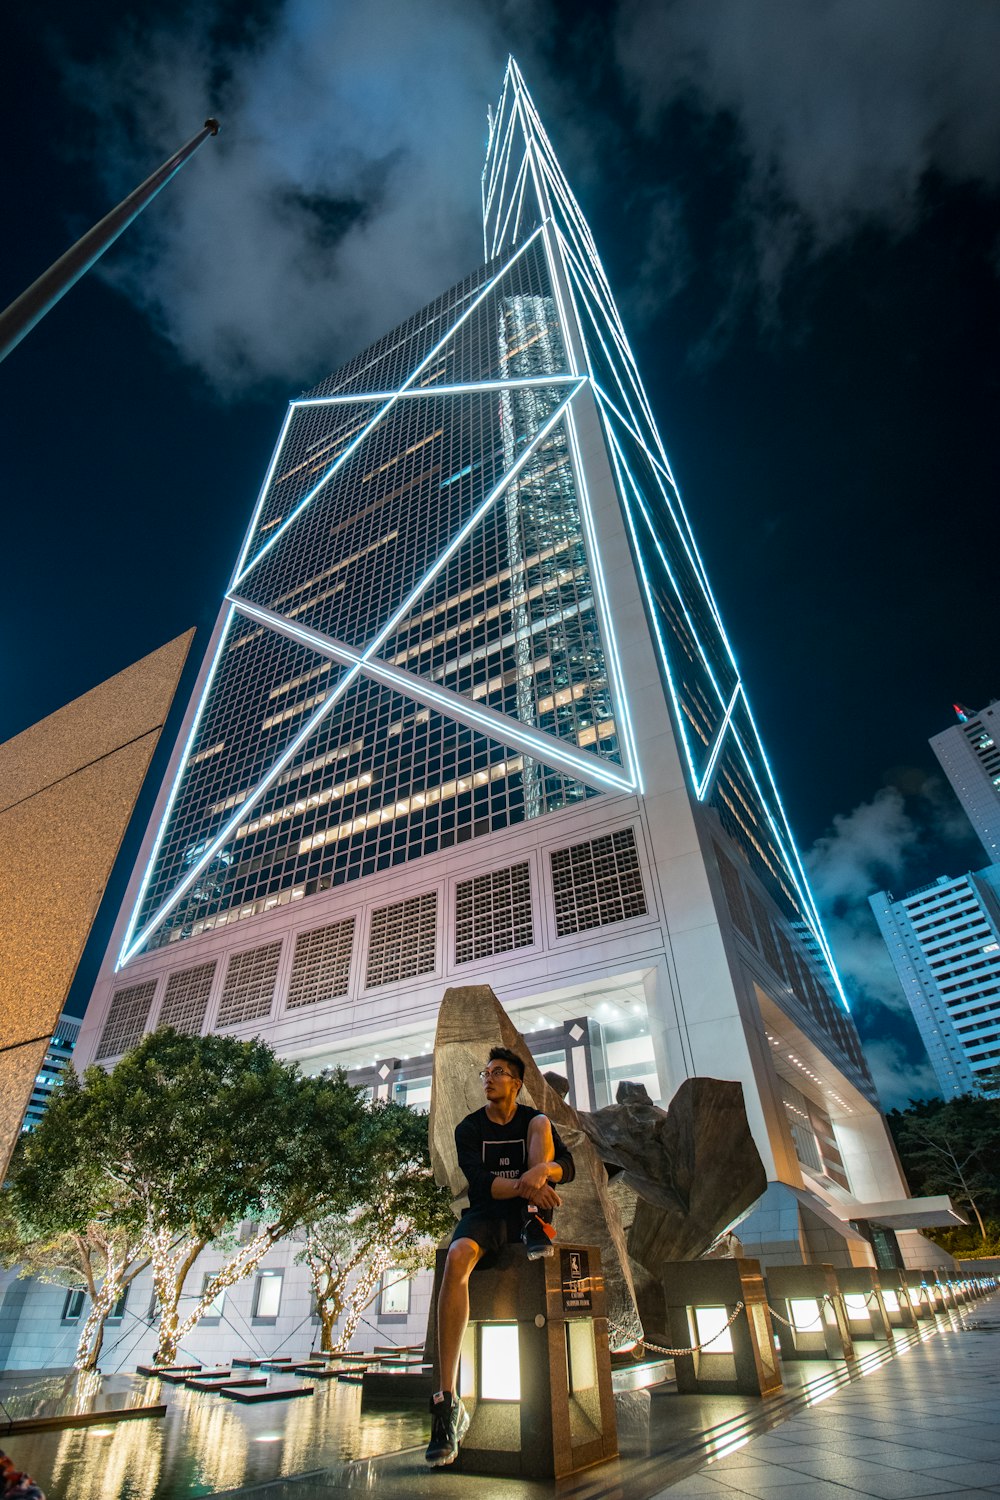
[[118, 1311], [73, 1304], [395, 1298], [213, 1312], [267, 1295]]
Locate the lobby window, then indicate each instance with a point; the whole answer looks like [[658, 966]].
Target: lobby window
[[394, 1301], [118, 1311], [214, 1311], [73, 1304], [267, 1295]]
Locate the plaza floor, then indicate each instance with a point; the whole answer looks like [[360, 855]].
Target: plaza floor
[[921, 1420]]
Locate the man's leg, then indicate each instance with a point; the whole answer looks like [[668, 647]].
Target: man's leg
[[453, 1308], [449, 1419]]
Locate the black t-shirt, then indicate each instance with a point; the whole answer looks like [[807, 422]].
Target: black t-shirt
[[487, 1150]]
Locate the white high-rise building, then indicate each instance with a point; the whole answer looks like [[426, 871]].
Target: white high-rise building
[[969, 752], [944, 941], [470, 715]]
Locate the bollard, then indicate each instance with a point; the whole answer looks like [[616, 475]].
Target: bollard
[[896, 1299], [701, 1297], [920, 1298], [867, 1317], [535, 1370], [811, 1299]]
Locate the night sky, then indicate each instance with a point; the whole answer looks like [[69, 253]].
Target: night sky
[[798, 204]]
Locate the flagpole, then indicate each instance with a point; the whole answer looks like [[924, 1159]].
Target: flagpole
[[32, 305]]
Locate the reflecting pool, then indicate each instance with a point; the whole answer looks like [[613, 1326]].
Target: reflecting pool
[[204, 1443]]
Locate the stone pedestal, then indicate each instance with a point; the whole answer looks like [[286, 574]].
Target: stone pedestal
[[700, 1296], [810, 1297], [867, 1316], [536, 1371]]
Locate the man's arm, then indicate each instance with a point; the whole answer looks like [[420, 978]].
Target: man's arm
[[470, 1148]]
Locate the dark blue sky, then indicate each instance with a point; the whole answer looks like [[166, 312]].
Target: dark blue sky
[[803, 227]]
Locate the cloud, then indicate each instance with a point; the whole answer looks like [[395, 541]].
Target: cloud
[[890, 842], [341, 193], [899, 1074], [840, 109]]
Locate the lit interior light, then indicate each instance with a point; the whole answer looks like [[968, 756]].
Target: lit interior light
[[710, 1323], [100, 1432], [268, 1437], [891, 1301], [857, 1306], [499, 1362], [805, 1314]]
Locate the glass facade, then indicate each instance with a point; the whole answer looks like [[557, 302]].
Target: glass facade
[[418, 649], [438, 530]]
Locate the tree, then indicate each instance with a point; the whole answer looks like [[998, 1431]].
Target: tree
[[59, 1220], [397, 1220], [186, 1138], [953, 1146]]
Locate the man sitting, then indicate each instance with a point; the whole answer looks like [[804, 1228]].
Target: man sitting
[[511, 1156]]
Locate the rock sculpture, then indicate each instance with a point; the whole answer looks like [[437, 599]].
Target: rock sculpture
[[652, 1185]]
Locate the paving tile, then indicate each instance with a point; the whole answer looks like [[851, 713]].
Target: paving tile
[[870, 1478], [971, 1475], [792, 1487], [695, 1486]]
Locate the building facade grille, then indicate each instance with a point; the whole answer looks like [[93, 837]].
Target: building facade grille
[[126, 1019], [248, 993], [597, 882], [321, 966], [186, 1000], [403, 940], [493, 914]]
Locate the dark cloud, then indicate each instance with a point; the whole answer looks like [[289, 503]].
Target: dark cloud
[[841, 110], [340, 194]]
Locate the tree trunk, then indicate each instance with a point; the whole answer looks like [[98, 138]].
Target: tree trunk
[[88, 1349]]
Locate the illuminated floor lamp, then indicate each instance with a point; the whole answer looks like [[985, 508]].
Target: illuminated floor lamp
[[867, 1317], [535, 1371], [811, 1299], [736, 1357]]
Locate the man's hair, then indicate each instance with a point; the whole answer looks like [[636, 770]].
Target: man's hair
[[504, 1054]]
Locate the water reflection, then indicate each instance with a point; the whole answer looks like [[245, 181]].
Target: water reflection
[[204, 1444]]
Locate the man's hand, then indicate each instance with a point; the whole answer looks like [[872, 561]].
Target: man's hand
[[535, 1186], [543, 1197]]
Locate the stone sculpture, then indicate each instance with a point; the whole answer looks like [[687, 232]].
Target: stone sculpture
[[652, 1185]]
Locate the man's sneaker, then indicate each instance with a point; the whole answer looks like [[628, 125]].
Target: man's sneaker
[[538, 1236], [449, 1424]]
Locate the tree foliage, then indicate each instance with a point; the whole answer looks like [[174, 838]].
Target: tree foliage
[[953, 1146], [181, 1142], [396, 1222]]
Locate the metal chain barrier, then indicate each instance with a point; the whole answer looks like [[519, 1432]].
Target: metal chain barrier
[[695, 1348]]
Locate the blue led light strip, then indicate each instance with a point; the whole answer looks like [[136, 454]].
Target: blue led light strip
[[124, 952], [515, 383], [512, 733], [706, 780], [324, 708], [342, 458]]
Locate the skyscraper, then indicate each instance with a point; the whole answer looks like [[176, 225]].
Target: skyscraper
[[970, 758], [944, 941], [470, 714]]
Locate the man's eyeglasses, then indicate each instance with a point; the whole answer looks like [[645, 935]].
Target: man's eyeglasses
[[489, 1073]]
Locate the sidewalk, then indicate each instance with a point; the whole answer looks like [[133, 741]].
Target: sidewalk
[[926, 1422]]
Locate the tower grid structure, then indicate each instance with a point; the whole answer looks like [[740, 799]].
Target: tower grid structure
[[470, 715]]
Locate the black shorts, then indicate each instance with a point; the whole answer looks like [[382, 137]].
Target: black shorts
[[489, 1233]]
